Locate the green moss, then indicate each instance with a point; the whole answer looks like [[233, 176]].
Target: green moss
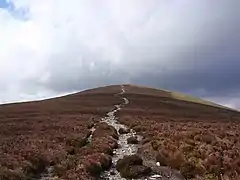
[[189, 98]]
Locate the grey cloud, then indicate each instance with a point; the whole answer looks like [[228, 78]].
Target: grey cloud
[[188, 46], [202, 55]]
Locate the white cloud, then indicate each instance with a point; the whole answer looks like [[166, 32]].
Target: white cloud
[[231, 102], [62, 46]]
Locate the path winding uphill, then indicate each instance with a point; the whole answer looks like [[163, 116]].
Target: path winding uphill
[[123, 147], [126, 149], [123, 150], [119, 132]]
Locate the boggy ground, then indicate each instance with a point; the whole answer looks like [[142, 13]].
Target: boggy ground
[[53, 133], [200, 141]]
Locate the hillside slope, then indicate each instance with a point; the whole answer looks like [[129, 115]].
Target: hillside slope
[[35, 135], [172, 94], [199, 139], [202, 137]]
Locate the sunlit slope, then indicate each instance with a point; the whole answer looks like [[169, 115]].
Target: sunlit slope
[[171, 94]]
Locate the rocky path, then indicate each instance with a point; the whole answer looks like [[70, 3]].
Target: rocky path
[[124, 148]]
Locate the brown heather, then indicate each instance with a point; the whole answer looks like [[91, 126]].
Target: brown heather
[[199, 140]]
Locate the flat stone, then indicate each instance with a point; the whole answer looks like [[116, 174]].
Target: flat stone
[[132, 140], [124, 130]]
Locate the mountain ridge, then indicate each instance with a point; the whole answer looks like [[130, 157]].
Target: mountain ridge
[[173, 94]]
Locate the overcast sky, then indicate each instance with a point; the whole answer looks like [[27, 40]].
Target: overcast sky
[[52, 47]]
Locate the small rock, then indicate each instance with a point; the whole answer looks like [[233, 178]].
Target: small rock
[[156, 176], [124, 130], [132, 167], [132, 140], [135, 171], [128, 161]]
